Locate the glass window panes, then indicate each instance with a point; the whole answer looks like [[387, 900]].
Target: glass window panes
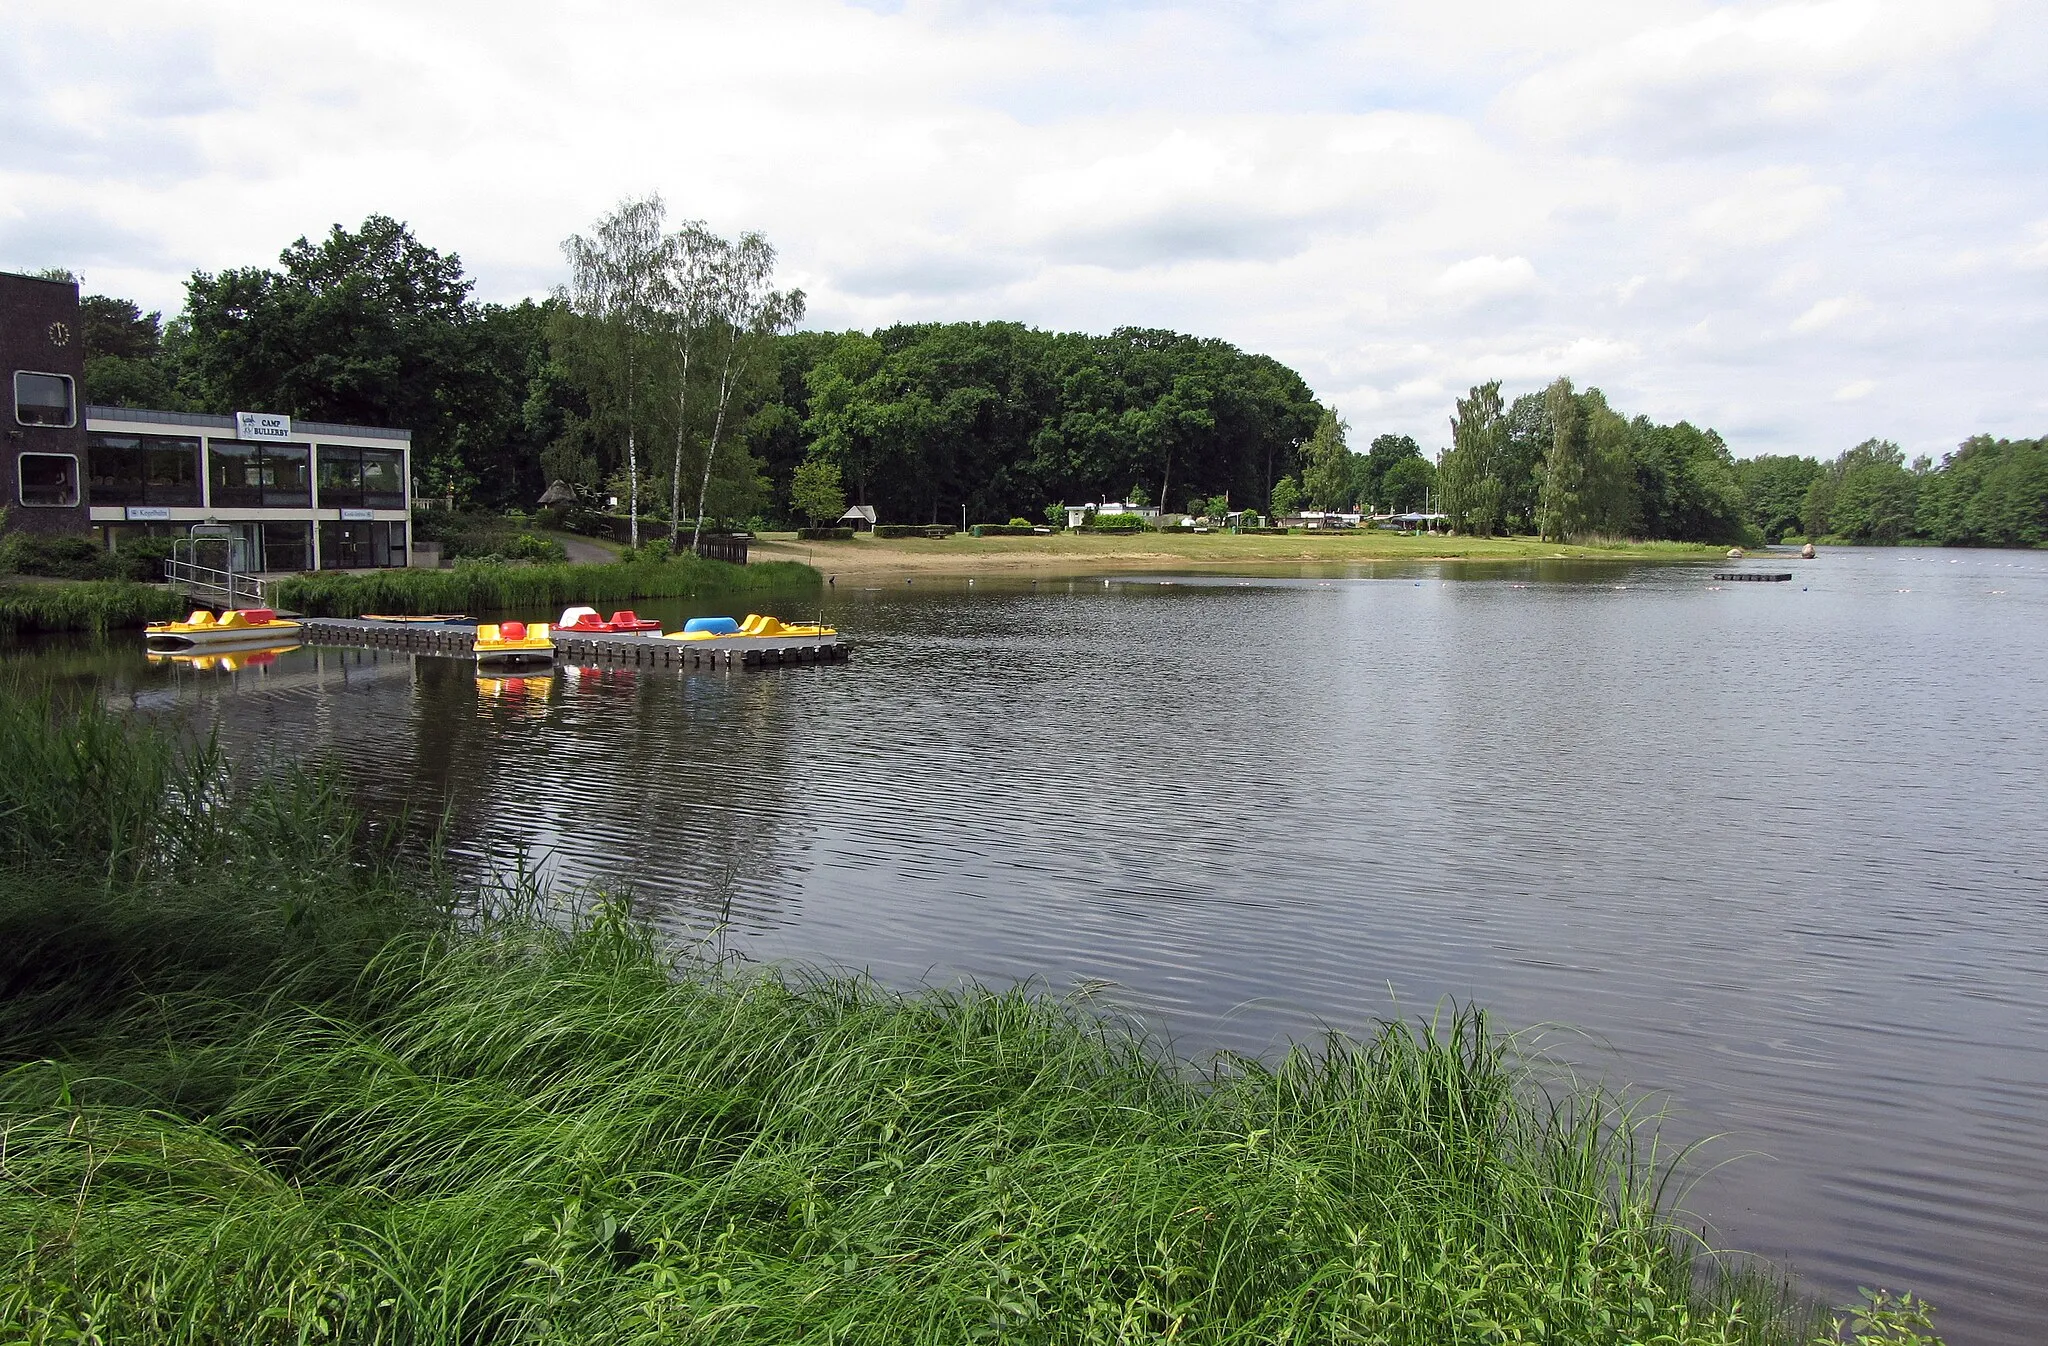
[[287, 474], [142, 469], [384, 478], [47, 479], [43, 399], [236, 471], [358, 478], [341, 476], [272, 475], [287, 546]]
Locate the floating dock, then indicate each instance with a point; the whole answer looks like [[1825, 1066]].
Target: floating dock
[[448, 638], [1755, 576]]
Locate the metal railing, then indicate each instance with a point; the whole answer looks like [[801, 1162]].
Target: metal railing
[[224, 588]]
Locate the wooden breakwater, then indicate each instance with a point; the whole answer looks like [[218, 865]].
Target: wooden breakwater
[[451, 639], [1755, 576]]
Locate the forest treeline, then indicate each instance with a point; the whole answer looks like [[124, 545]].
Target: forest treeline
[[668, 372]]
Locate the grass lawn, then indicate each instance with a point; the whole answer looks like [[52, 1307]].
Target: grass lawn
[[1083, 553]]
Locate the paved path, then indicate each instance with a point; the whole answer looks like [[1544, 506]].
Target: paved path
[[585, 551]]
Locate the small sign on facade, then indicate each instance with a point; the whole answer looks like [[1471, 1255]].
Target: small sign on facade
[[351, 514], [149, 513], [262, 425]]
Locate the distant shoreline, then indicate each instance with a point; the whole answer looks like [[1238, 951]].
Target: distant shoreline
[[1087, 554]]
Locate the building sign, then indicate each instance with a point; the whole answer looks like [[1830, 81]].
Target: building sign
[[262, 425], [141, 513], [358, 514]]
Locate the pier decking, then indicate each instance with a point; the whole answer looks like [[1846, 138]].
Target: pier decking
[[446, 638]]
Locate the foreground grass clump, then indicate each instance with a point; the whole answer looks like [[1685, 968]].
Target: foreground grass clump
[[270, 1078], [98, 606], [487, 587]]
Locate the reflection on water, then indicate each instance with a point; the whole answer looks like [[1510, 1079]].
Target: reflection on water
[[1775, 851]]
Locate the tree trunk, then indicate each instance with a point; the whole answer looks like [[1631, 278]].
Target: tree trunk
[[725, 381], [632, 462], [675, 476]]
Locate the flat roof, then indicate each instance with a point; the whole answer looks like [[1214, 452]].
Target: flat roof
[[208, 421]]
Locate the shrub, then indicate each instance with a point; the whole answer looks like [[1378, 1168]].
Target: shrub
[[932, 530], [476, 534], [825, 534], [1004, 530], [1020, 523], [66, 558], [29, 609], [1118, 523]]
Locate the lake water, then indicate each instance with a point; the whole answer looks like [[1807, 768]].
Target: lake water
[[1777, 854]]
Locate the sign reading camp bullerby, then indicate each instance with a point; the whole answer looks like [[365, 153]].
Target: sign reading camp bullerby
[[262, 425]]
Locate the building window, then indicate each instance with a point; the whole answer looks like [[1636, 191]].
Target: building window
[[247, 475], [44, 399], [287, 546], [47, 479], [357, 478], [361, 544], [141, 469]]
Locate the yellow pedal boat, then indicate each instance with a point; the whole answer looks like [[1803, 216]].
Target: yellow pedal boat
[[236, 627], [513, 642], [755, 627]]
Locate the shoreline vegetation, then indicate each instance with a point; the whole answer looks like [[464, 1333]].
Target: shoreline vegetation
[[490, 587], [46, 607], [42, 607], [1089, 553], [269, 1073]]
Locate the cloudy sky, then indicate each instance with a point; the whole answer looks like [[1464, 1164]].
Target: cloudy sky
[[1802, 223]]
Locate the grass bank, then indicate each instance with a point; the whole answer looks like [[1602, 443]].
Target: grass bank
[[268, 1076], [493, 588], [1086, 553], [29, 608]]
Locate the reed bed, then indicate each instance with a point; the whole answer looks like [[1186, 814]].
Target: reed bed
[[97, 606], [269, 1076], [490, 587]]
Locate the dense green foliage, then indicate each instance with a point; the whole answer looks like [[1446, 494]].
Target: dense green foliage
[[480, 534], [70, 557], [28, 609], [1988, 493], [1565, 464], [488, 587], [263, 1084], [919, 419], [1004, 418]]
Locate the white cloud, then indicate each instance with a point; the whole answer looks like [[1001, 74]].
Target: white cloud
[[1826, 313], [1400, 199], [1857, 391], [1485, 277]]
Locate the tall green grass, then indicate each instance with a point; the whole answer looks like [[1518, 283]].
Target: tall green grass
[[489, 587], [269, 1077], [98, 606]]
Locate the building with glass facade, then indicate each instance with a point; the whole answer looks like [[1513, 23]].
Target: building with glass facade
[[299, 495], [315, 497]]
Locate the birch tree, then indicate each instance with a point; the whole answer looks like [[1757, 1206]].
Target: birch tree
[[614, 278], [747, 312], [691, 258]]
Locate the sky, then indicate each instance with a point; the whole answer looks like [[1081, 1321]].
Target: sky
[[1804, 224]]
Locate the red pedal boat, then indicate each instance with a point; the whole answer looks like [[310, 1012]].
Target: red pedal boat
[[586, 621]]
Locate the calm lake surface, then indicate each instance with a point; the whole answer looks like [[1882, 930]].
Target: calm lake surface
[[1776, 854]]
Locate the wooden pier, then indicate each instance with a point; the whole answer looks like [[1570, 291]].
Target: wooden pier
[[1755, 576], [444, 638]]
